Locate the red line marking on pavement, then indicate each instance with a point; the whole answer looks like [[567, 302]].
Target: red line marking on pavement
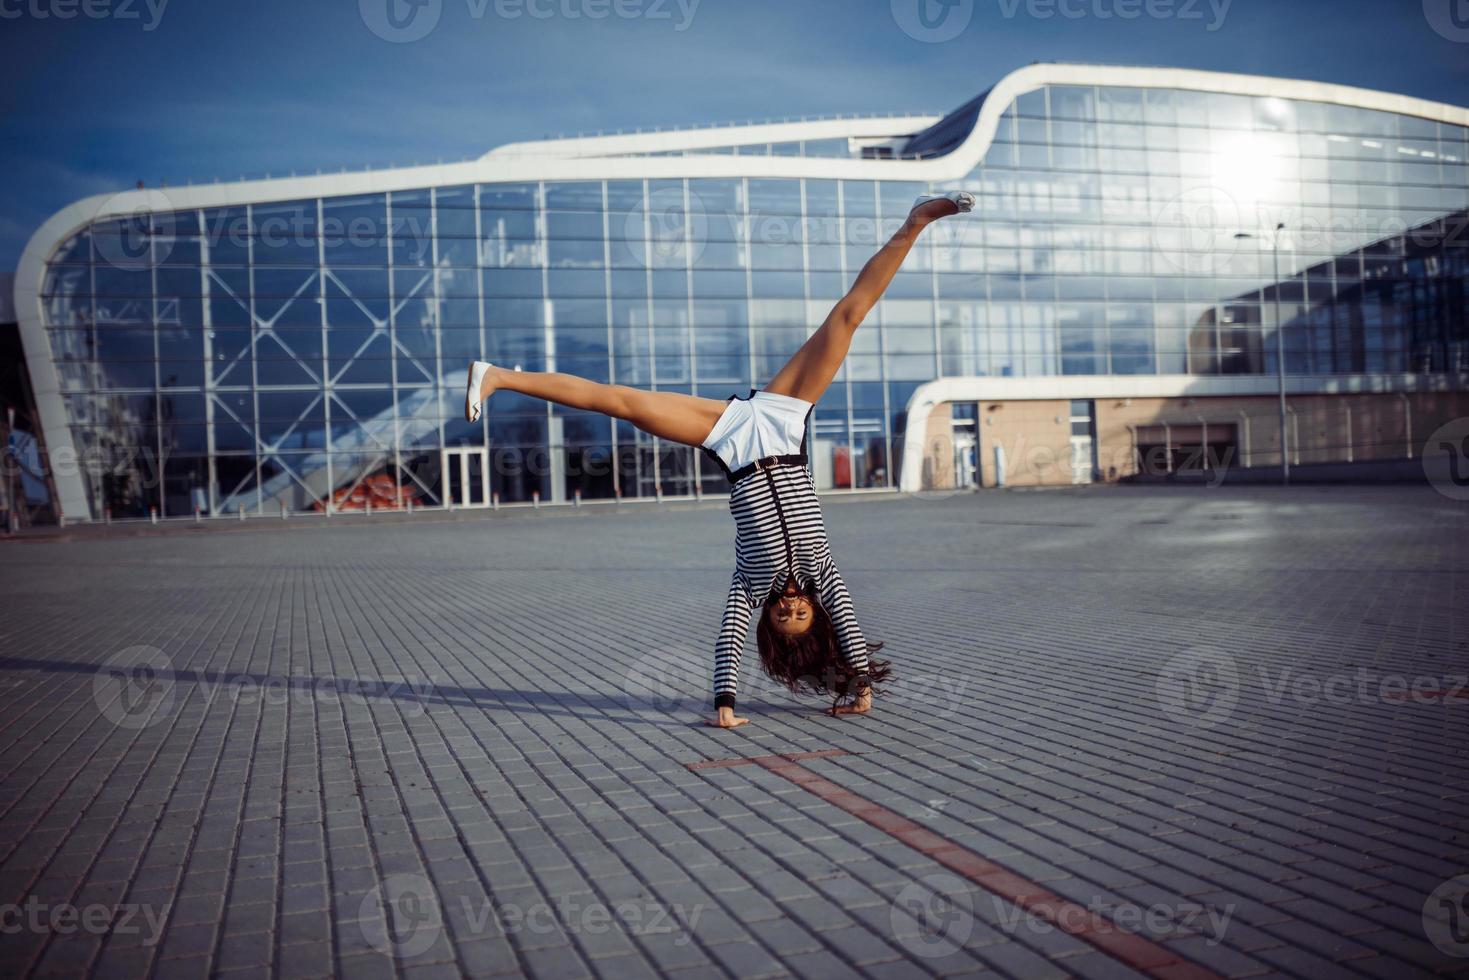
[[1430, 696], [757, 759], [1129, 948]]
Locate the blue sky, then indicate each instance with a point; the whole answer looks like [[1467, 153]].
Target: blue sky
[[170, 90]]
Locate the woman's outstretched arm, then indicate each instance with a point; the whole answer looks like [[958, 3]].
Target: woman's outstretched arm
[[837, 602], [728, 649], [810, 370]]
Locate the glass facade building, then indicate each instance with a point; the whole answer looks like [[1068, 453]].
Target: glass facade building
[[303, 351]]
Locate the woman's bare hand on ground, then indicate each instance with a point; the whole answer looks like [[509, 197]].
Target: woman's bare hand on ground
[[725, 718], [861, 706]]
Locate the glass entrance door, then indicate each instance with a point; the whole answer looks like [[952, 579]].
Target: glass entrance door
[[1083, 441], [466, 477]]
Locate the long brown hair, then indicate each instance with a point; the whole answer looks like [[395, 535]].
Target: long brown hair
[[812, 662]]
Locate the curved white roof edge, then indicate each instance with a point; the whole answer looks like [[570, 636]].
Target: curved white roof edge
[[1104, 386], [952, 167], [619, 144]]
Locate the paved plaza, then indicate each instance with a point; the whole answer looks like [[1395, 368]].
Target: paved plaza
[[1160, 732]]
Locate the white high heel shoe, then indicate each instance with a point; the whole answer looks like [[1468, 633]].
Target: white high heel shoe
[[963, 199], [477, 371]]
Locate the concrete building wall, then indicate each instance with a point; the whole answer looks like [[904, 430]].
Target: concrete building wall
[[938, 457], [1035, 435], [1035, 438]]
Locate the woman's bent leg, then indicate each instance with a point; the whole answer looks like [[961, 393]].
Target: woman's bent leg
[[666, 414]]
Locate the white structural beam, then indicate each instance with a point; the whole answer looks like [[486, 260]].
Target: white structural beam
[[668, 141], [1103, 387]]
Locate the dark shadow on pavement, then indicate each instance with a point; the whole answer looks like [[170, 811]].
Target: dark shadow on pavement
[[569, 704]]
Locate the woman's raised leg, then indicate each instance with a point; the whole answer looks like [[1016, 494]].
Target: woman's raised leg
[[666, 414], [810, 370]]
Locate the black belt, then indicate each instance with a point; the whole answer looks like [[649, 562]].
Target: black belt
[[765, 463]]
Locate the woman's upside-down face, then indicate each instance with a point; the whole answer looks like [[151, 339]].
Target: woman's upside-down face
[[792, 614]]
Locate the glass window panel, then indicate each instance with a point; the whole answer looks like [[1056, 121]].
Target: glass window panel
[[777, 199], [581, 341], [719, 254], [176, 283], [719, 284], [369, 364], [454, 209], [178, 250], [515, 225], [1069, 133], [906, 313], [1120, 104], [668, 284], [1160, 106], [576, 283], [227, 236], [509, 196], [771, 253], [1032, 104], [77, 248], [457, 250], [113, 282], [576, 225], [1073, 102], [859, 199], [457, 345], [285, 234], [723, 351], [354, 231], [1228, 111], [908, 340], [412, 251], [512, 283], [788, 285]]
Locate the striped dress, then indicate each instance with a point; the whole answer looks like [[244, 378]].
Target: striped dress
[[778, 532]]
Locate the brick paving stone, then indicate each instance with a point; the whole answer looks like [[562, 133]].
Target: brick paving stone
[[669, 953], [308, 959], [375, 966], [746, 958], [860, 946], [351, 704], [123, 964], [826, 964], [1216, 956], [1095, 964], [554, 962]]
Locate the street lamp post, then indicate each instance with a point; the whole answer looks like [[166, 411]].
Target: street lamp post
[[1279, 349]]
